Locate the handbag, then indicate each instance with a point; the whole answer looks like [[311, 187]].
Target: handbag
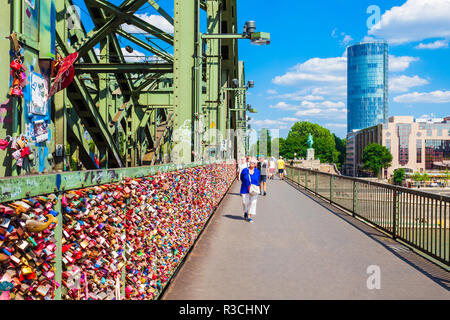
[[254, 189]]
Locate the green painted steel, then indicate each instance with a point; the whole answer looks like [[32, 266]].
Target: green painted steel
[[30, 186], [124, 68], [182, 85], [186, 29]]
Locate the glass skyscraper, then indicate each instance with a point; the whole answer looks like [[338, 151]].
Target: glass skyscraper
[[367, 85]]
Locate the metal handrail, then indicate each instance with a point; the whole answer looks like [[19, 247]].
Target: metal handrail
[[15, 188], [379, 184], [419, 219]]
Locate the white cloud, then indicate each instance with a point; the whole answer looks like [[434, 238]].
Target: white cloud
[[309, 112], [433, 45], [336, 125], [153, 19], [424, 97], [415, 20], [282, 123], [288, 119], [271, 91], [331, 70], [298, 96], [347, 39], [308, 105], [400, 63], [266, 123], [283, 106], [404, 83], [135, 56]]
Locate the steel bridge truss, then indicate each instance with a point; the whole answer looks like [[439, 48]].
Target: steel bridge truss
[[131, 109]]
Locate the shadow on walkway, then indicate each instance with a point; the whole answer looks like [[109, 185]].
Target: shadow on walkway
[[433, 271], [229, 216]]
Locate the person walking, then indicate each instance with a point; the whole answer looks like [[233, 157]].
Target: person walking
[[250, 178], [263, 169], [280, 163], [271, 167], [242, 164]]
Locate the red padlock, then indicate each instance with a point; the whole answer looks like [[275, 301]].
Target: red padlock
[[16, 65], [16, 91]]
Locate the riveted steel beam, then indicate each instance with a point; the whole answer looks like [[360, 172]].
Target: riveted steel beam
[[156, 98], [123, 68], [126, 16], [161, 11], [184, 78], [164, 55]]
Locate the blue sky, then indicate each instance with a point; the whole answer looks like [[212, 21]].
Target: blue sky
[[301, 75]]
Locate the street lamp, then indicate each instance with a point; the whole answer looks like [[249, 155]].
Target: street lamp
[[250, 109], [257, 38], [235, 84]]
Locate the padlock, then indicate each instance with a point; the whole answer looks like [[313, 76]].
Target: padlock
[[16, 91], [16, 65]]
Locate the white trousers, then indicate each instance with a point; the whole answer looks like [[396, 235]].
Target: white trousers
[[249, 203]]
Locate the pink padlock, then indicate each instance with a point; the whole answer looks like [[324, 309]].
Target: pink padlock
[[16, 91]]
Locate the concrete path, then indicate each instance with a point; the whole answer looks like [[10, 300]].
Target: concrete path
[[299, 249]]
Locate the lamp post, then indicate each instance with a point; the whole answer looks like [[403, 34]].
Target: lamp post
[[256, 38]]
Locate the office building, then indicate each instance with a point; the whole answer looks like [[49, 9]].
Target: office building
[[367, 85], [416, 145]]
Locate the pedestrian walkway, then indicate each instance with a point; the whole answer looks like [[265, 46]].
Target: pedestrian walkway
[[299, 249]]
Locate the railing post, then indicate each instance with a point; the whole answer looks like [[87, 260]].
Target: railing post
[[58, 249], [355, 197], [306, 179], [316, 184], [298, 176], [394, 214], [331, 188]]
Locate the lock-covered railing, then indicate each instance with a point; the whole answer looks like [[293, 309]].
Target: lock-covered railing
[[419, 219], [104, 234]]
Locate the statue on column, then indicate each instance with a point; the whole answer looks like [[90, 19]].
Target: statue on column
[[310, 141], [310, 151]]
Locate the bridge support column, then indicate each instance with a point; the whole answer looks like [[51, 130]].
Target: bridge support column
[[186, 29]]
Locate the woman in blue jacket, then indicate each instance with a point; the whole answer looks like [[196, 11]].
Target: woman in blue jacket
[[250, 175]]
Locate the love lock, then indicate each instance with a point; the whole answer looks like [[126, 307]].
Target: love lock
[[16, 91]]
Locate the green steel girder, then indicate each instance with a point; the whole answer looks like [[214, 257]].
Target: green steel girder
[[126, 16], [74, 133], [156, 98], [100, 126], [93, 37], [92, 112], [15, 188], [161, 11], [119, 116], [124, 81], [147, 82], [123, 68]]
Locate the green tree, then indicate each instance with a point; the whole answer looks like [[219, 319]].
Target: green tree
[[376, 157], [296, 142], [399, 176], [416, 177], [425, 177], [341, 147], [446, 177]]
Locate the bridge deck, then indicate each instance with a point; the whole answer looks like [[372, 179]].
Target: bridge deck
[[299, 248]]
